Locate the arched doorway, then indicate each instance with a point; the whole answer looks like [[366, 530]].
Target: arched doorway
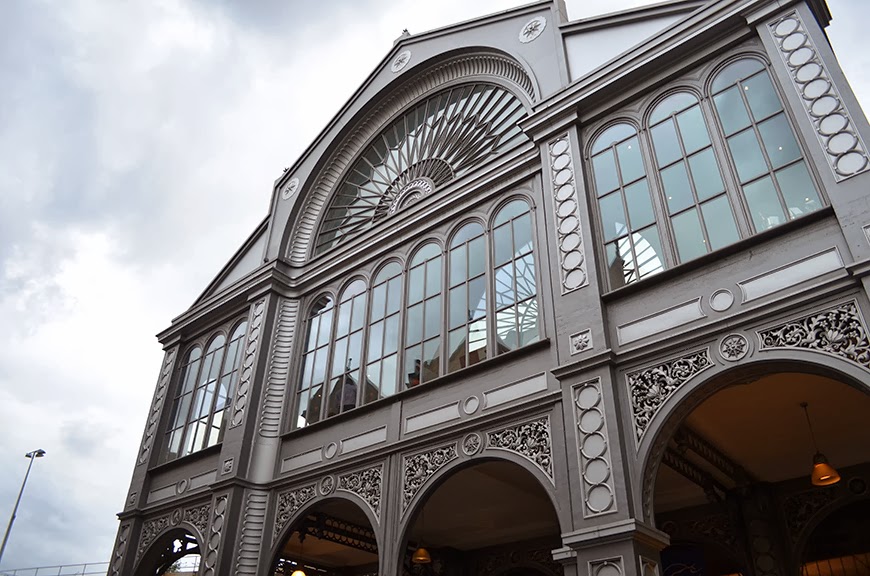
[[490, 517], [174, 553], [840, 544], [332, 538], [733, 485]]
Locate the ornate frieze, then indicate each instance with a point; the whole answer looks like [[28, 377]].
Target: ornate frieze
[[289, 503], [650, 387], [197, 517], [120, 550], [835, 130], [366, 484], [156, 405], [418, 468], [593, 448], [215, 535], [800, 508], [151, 529], [529, 439], [279, 368], [253, 525], [250, 357], [839, 330], [569, 234]]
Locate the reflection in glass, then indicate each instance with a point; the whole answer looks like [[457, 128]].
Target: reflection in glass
[[383, 336], [423, 319], [516, 303], [467, 285]]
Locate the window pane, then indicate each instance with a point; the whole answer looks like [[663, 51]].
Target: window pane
[[388, 376], [798, 190], [688, 234], [433, 318], [747, 155], [736, 71], [719, 221], [477, 341], [764, 204], [528, 321], [379, 299], [476, 256], [343, 325], [677, 189], [413, 360], [671, 104], [376, 339], [359, 312], [458, 265], [779, 142], [506, 330], [731, 110], [415, 285], [612, 216], [391, 337], [319, 367], [630, 162], [693, 129], [666, 142], [640, 210], [615, 133], [510, 210], [456, 347], [457, 313], [523, 233], [503, 244], [414, 330], [394, 298], [504, 290], [315, 405], [373, 380], [477, 297], [339, 357], [705, 174], [648, 247], [763, 99], [426, 252], [388, 271], [604, 169], [615, 266], [433, 277], [525, 268], [431, 360]]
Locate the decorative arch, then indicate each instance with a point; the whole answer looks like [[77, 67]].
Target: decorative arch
[[488, 66], [158, 534], [692, 391]]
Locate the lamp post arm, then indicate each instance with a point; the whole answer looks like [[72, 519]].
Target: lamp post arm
[[15, 509]]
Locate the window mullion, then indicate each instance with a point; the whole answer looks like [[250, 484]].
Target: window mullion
[[657, 196]]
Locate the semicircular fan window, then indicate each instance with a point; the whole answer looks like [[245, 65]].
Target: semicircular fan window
[[434, 142]]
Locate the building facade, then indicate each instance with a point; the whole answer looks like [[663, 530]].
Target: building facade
[[545, 297]]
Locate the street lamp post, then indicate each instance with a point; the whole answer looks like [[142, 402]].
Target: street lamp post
[[35, 454]]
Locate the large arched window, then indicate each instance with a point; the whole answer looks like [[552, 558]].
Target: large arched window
[[383, 336], [516, 302], [344, 377], [205, 387], [770, 169], [466, 316], [309, 394], [423, 316], [690, 205]]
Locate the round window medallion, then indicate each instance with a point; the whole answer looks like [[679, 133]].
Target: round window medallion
[[532, 29], [400, 61], [290, 188]]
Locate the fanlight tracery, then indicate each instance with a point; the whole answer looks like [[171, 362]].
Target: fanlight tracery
[[431, 144]]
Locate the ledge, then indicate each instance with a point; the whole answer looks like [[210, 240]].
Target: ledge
[[620, 531]]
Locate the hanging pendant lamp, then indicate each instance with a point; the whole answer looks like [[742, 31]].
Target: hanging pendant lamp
[[823, 473], [421, 555], [299, 571]]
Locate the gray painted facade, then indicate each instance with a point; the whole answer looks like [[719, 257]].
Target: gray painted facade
[[633, 359]]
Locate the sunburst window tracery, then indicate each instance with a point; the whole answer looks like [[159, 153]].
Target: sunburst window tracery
[[431, 144]]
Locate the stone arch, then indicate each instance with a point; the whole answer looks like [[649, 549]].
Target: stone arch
[[458, 67], [717, 376], [152, 555], [282, 536]]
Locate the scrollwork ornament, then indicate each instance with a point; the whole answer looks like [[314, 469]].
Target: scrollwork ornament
[[197, 516], [530, 440], [151, 529], [471, 444], [734, 347], [839, 331], [289, 503], [327, 485], [799, 509], [366, 484], [418, 468]]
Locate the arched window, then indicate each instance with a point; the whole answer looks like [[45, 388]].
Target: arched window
[[700, 214], [423, 316], [466, 316], [632, 243], [309, 395], [347, 350], [205, 387], [383, 337], [516, 303], [769, 165]]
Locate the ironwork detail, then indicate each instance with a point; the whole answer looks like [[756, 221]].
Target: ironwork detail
[[839, 330], [714, 491], [529, 439], [593, 448], [289, 503], [569, 232], [835, 130], [688, 439], [250, 357], [734, 347], [418, 468], [433, 143], [156, 405], [151, 529], [471, 444], [197, 517], [329, 528], [366, 484], [651, 387], [799, 509]]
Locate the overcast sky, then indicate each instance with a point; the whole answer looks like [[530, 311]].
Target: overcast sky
[[138, 145]]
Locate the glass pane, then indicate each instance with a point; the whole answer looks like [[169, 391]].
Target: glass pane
[[315, 406], [466, 233], [705, 174], [477, 298], [506, 330], [510, 210], [731, 110], [426, 252], [764, 204], [458, 265], [615, 266], [503, 244], [688, 234], [630, 162], [604, 169], [779, 142], [671, 104], [747, 155], [354, 351], [431, 360], [615, 133], [388, 376], [763, 99], [522, 234], [414, 330], [376, 339], [323, 333], [433, 277], [415, 285], [457, 312], [719, 221], [798, 190], [394, 298], [433, 318], [359, 312], [379, 300], [388, 271], [413, 360], [525, 268], [319, 374], [528, 321], [736, 71], [456, 346], [373, 381], [476, 257], [640, 210], [693, 129], [677, 188], [612, 216], [648, 247], [504, 290], [666, 143], [339, 356]]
